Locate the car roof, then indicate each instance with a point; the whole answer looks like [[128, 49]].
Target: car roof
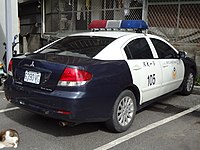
[[116, 34], [111, 34]]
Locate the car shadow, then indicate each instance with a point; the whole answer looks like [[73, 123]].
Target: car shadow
[[51, 126], [162, 106]]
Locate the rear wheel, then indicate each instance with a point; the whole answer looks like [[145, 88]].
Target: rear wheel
[[123, 112], [188, 83]]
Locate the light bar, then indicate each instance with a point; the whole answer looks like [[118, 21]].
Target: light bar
[[113, 24], [118, 24], [134, 24]]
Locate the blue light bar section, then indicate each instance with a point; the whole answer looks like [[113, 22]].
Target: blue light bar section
[[134, 24]]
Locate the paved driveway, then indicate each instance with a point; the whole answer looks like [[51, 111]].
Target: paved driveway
[[168, 124]]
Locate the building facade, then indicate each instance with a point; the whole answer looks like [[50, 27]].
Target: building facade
[[176, 20], [9, 27]]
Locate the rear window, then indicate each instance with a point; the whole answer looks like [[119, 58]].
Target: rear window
[[80, 46]]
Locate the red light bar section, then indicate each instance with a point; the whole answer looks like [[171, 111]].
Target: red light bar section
[[97, 24]]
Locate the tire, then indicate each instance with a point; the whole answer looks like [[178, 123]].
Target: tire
[[188, 83], [123, 113]]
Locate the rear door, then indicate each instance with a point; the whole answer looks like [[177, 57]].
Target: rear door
[[145, 70]]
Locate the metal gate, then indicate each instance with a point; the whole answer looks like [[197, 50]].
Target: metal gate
[[176, 20]]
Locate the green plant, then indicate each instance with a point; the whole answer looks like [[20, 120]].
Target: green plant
[[197, 81]]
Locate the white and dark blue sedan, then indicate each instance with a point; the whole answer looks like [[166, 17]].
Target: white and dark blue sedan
[[100, 76]]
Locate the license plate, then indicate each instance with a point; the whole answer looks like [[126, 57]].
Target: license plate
[[32, 77]]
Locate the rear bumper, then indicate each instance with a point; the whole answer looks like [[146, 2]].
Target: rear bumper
[[82, 107], [40, 110]]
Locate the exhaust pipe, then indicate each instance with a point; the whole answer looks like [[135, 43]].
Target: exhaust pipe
[[63, 124]]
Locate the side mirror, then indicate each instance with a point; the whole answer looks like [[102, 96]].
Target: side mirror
[[181, 54]]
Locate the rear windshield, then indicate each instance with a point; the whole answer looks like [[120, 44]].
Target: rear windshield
[[80, 46]]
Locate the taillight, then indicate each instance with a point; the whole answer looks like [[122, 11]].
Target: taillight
[[74, 77], [10, 68]]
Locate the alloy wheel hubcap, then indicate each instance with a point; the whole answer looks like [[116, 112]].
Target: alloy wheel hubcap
[[125, 111], [190, 82]]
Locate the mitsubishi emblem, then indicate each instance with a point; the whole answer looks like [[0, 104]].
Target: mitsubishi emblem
[[32, 64]]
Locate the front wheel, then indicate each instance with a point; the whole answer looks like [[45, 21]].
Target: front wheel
[[188, 83], [123, 113]]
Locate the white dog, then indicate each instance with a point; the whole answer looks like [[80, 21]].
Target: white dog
[[9, 138]]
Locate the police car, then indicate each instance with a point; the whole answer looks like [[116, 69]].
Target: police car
[[105, 75]]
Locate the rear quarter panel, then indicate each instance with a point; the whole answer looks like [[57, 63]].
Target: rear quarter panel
[[110, 78]]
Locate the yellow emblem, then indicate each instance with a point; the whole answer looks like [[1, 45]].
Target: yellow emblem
[[174, 73]]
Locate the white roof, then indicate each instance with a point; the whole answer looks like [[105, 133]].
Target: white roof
[[112, 34]]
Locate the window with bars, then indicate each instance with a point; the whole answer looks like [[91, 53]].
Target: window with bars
[[72, 15]]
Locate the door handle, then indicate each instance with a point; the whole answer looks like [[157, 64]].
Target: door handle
[[137, 67], [165, 65]]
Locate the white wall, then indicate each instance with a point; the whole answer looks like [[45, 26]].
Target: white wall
[[2, 27], [15, 24]]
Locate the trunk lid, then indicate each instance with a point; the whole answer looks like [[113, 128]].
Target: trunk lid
[[43, 71]]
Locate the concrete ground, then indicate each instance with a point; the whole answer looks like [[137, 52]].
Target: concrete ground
[[154, 128], [196, 90]]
